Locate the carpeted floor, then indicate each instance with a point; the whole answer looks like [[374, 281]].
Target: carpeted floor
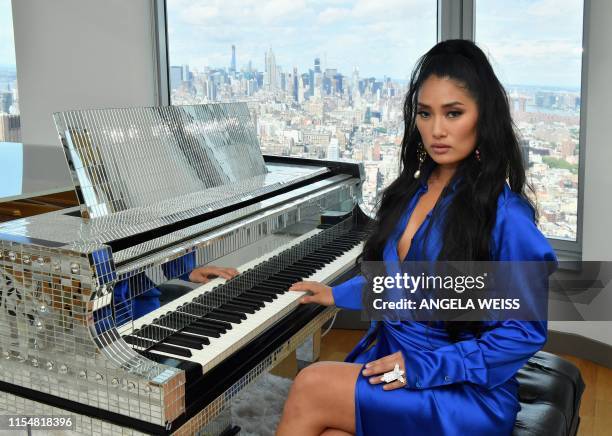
[[257, 409]]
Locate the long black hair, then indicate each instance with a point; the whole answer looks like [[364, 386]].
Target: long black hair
[[470, 216]]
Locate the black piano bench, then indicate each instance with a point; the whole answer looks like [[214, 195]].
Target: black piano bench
[[549, 393]]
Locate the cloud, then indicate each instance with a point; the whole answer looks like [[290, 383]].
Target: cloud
[[390, 9], [550, 8], [536, 62], [534, 50], [332, 15]]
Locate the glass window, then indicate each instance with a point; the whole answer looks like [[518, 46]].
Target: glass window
[[323, 79], [536, 50], [10, 125]]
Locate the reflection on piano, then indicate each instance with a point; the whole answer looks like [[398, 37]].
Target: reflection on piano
[[162, 190]]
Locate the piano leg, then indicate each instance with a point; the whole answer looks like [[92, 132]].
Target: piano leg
[[287, 368], [309, 351]]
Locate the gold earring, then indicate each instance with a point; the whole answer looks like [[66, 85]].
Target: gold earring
[[421, 154]]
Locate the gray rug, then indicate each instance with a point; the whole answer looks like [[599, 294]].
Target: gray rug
[[258, 408]]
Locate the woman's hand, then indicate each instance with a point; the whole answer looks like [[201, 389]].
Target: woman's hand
[[321, 294], [204, 274], [377, 368]]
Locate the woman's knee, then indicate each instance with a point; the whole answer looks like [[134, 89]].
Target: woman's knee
[[305, 389], [311, 378]]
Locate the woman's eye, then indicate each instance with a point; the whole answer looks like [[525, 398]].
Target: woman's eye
[[423, 114], [453, 114]]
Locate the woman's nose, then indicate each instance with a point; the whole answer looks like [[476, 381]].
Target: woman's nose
[[438, 128]]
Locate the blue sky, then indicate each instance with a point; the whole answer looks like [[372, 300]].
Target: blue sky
[[530, 42], [7, 41], [382, 37]]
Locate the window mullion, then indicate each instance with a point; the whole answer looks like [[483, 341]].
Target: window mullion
[[455, 19]]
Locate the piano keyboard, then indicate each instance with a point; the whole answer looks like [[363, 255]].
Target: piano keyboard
[[207, 335]]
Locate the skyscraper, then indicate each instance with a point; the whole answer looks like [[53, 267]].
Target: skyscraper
[[10, 128], [296, 86], [333, 150], [233, 65], [176, 76], [186, 74], [6, 101], [317, 65], [271, 79]]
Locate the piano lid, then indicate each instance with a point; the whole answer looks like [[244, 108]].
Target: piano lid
[[129, 158], [148, 173]]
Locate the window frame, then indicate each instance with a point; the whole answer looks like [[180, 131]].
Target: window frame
[[456, 19], [565, 250]]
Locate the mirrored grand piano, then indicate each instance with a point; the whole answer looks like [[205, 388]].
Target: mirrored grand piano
[[98, 318]]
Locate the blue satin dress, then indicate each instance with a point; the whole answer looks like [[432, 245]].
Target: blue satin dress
[[461, 388]]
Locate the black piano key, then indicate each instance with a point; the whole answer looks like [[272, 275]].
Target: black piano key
[[260, 295], [153, 332], [249, 299], [316, 265], [349, 242], [326, 254], [312, 260], [304, 269], [249, 304], [213, 323], [202, 339], [337, 243], [237, 308], [171, 349], [327, 249], [139, 342], [317, 258], [290, 276], [234, 312], [277, 282], [233, 318], [271, 290], [202, 331], [325, 259], [183, 341]]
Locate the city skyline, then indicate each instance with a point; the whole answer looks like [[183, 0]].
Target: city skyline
[[288, 69], [342, 33]]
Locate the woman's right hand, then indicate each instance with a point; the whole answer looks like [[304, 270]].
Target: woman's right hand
[[321, 294]]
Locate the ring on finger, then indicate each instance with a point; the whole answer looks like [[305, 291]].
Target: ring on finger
[[393, 375]]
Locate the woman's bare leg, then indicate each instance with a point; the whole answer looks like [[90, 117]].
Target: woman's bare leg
[[322, 397]]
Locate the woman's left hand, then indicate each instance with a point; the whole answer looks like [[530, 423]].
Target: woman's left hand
[[204, 274], [377, 368]]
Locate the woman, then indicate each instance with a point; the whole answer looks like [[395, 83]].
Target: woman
[[460, 196]]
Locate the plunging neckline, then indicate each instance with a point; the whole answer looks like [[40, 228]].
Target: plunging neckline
[[405, 224], [412, 238]]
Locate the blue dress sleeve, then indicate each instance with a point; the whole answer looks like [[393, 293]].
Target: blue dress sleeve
[[497, 355], [181, 267], [347, 295]]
